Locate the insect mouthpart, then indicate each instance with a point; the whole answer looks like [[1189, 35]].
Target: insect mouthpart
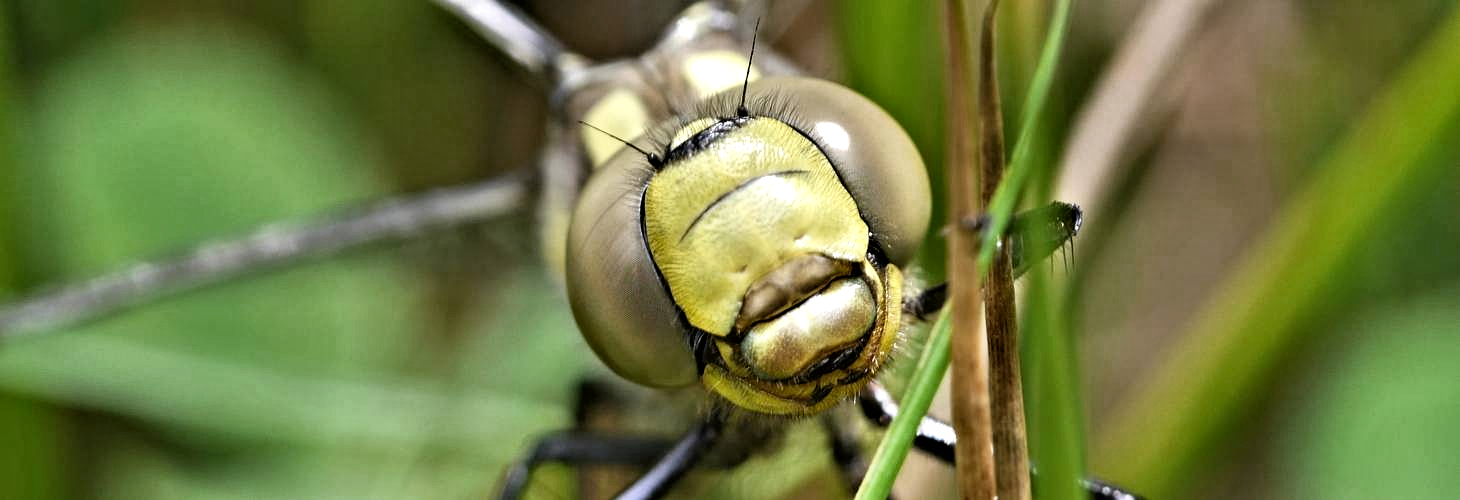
[[795, 318], [817, 352]]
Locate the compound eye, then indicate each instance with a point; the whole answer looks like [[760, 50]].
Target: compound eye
[[622, 309]]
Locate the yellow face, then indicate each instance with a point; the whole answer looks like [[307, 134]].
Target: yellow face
[[766, 254]]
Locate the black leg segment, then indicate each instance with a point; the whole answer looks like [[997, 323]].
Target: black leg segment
[[934, 437], [926, 303], [581, 448], [846, 451], [680, 459], [937, 438]]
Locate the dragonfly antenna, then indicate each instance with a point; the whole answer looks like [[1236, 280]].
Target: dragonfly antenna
[[744, 86], [655, 160]]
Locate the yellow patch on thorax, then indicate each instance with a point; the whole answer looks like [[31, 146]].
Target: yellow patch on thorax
[[712, 71], [620, 113]]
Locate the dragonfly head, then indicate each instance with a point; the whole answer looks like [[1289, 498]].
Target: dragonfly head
[[759, 254]]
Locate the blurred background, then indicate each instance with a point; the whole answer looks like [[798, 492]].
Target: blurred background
[[1266, 290]]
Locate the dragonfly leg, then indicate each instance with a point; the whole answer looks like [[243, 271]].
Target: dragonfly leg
[[672, 466], [846, 451], [572, 447], [927, 302], [266, 248], [519, 37], [592, 441], [936, 438]]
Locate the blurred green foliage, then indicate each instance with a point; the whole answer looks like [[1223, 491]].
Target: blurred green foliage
[[306, 383], [32, 465], [1382, 424], [1390, 153], [893, 54]]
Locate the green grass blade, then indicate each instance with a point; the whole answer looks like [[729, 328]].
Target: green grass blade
[[934, 360], [887, 461], [1051, 375], [1055, 417], [1006, 199], [1256, 320]]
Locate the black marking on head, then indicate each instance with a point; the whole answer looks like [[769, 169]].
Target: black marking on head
[[654, 160], [704, 138], [768, 103]]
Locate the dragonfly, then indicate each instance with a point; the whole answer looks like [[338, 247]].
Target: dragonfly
[[596, 106]]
